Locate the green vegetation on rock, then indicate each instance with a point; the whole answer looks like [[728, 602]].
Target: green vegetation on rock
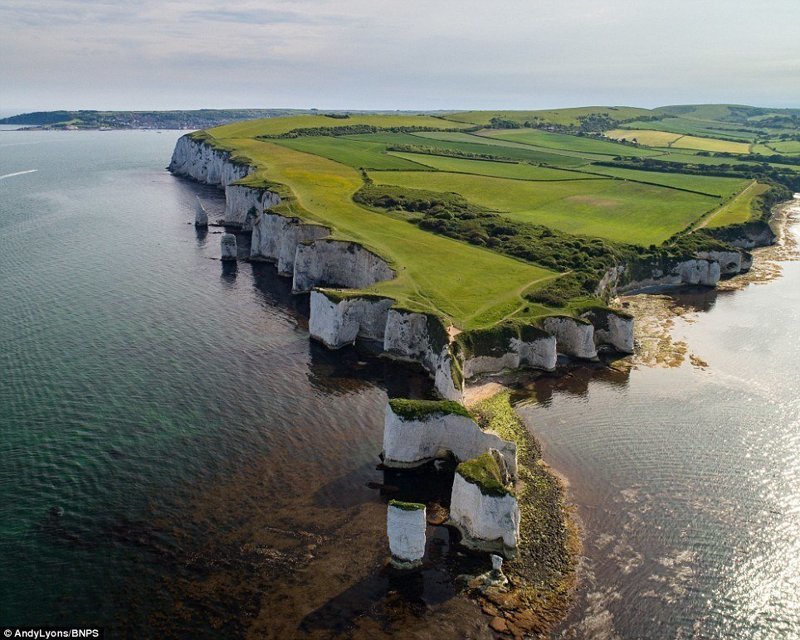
[[407, 506], [408, 410], [484, 472]]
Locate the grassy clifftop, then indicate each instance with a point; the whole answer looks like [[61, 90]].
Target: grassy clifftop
[[491, 216]]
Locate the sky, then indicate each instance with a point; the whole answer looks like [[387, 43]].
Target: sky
[[403, 54]]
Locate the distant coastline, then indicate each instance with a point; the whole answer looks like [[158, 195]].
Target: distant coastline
[[191, 119]]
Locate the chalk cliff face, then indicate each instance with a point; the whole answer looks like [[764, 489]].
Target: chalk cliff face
[[417, 337], [492, 351], [405, 528], [197, 160], [487, 522], [244, 204], [573, 337], [337, 263], [337, 322], [412, 442], [612, 329], [697, 271], [305, 252], [730, 262], [275, 238]]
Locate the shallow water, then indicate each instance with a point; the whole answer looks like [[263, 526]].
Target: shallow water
[[178, 458], [687, 480]]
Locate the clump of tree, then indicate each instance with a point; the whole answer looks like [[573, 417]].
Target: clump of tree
[[349, 130], [503, 123]]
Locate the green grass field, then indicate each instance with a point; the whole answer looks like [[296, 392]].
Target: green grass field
[[740, 209], [548, 178], [709, 185], [471, 286], [353, 153], [616, 210], [569, 116], [519, 171], [564, 142]]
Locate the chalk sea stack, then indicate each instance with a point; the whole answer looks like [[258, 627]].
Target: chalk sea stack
[[228, 247]]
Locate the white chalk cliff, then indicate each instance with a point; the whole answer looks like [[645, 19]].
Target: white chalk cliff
[[244, 204], [305, 252], [337, 322], [409, 442], [486, 522], [573, 337], [337, 263], [199, 161]]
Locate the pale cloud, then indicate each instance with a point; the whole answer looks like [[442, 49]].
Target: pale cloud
[[410, 54]]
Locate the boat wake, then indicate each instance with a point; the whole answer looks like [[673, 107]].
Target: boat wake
[[18, 173]]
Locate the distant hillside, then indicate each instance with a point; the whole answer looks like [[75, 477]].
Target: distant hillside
[[731, 121], [194, 119], [197, 119]]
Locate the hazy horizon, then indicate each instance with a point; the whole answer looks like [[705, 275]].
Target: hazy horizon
[[355, 54]]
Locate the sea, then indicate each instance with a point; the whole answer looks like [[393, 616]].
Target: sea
[[179, 460]]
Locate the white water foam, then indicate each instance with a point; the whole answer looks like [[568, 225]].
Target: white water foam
[[18, 173]]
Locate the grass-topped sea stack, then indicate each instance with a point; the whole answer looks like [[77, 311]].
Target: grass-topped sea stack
[[418, 431], [405, 527], [484, 506]]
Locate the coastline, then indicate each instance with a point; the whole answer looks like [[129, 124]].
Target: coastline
[[541, 590], [656, 315]]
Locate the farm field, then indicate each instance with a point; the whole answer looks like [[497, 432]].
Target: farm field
[[504, 148], [448, 206], [740, 209], [565, 142], [653, 138], [687, 126], [473, 287], [650, 138], [709, 185], [353, 153], [710, 144], [568, 116], [519, 171], [619, 211], [279, 126], [786, 146]]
